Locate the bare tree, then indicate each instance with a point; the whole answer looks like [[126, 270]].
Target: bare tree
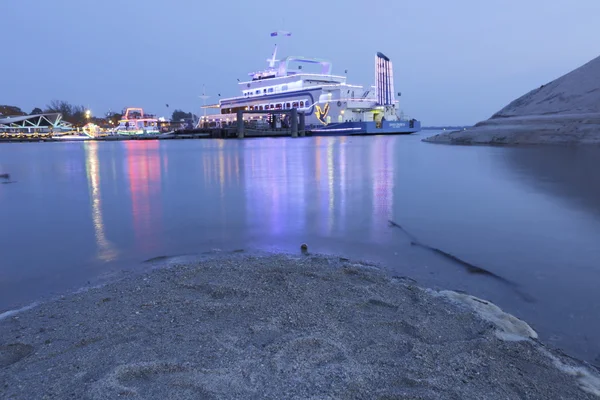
[[71, 113]]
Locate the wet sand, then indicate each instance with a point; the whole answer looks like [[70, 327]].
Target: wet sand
[[278, 326]]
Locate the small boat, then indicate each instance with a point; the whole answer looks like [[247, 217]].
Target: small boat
[[71, 137], [136, 122]]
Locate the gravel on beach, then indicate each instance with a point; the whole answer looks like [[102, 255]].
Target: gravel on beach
[[278, 326]]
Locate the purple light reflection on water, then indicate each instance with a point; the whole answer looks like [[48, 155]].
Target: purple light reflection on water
[[530, 215]]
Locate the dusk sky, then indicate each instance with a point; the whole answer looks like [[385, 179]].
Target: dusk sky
[[455, 62]]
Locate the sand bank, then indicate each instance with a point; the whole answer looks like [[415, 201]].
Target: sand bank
[[574, 129], [278, 326], [564, 111]]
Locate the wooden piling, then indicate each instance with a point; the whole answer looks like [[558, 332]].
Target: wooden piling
[[294, 120], [240, 124], [302, 124]]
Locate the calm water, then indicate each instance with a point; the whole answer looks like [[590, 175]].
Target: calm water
[[80, 212]]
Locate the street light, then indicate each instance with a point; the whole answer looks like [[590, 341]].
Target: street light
[[87, 113]]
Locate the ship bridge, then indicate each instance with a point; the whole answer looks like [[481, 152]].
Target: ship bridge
[[289, 77], [285, 70]]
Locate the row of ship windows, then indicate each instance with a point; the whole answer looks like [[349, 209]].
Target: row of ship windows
[[264, 91], [280, 106]]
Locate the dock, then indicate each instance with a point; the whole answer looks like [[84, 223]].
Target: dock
[[277, 123]]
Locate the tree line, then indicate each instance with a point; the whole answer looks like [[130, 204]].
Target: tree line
[[71, 113], [76, 114], [15, 111]]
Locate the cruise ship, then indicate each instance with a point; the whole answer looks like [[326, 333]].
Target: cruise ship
[[329, 103]]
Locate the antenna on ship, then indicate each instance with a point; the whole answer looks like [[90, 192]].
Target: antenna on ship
[[273, 60], [204, 97]]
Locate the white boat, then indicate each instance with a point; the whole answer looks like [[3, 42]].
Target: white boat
[[71, 138], [329, 103], [136, 122]]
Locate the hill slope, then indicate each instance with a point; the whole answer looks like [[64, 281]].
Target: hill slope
[[566, 110]]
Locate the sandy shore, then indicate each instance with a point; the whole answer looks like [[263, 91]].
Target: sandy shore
[[278, 327], [576, 129], [565, 111]]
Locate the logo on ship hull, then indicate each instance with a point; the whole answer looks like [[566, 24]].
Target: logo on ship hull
[[322, 113]]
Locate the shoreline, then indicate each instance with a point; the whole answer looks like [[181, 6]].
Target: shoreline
[[572, 129], [277, 325]]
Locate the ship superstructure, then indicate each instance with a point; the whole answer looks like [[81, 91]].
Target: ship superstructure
[[329, 102]]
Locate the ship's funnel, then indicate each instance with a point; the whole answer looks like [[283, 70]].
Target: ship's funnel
[[384, 80]]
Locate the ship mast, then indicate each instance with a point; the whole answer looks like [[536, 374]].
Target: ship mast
[[204, 97], [273, 59]]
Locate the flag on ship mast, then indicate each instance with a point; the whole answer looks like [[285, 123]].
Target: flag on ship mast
[[281, 33]]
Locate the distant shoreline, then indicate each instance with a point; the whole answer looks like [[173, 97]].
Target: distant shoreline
[[278, 326], [572, 129], [440, 128]]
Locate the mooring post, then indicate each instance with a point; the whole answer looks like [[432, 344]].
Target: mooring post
[[294, 118], [240, 124], [302, 125]]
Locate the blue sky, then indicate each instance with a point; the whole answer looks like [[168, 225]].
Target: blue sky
[[455, 62]]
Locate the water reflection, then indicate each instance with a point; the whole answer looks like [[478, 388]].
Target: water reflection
[[106, 249], [343, 165], [273, 181], [300, 187], [571, 173], [220, 166], [144, 178], [382, 157], [148, 198], [330, 185]]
